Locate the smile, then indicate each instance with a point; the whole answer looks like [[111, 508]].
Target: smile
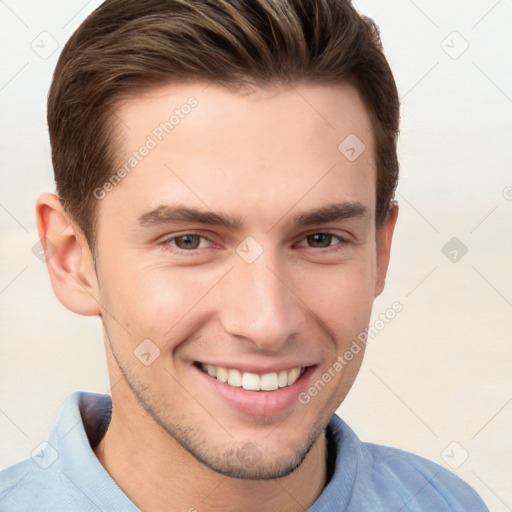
[[252, 381]]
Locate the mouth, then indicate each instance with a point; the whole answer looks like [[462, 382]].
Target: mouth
[[250, 381], [254, 391]]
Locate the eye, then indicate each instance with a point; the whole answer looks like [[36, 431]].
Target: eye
[[187, 242], [321, 240]]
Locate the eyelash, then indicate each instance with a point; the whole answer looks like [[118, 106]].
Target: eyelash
[[166, 244], [341, 241]]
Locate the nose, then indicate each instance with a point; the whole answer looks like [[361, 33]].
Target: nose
[[258, 304]]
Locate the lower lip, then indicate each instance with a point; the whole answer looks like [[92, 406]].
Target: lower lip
[[258, 403]]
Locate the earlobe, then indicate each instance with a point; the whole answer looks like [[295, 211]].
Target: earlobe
[[68, 257], [384, 238]]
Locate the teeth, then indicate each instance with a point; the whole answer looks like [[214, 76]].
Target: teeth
[[253, 381], [269, 382], [293, 375], [282, 380], [234, 378], [222, 374]]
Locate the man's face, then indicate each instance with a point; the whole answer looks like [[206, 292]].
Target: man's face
[[243, 244]]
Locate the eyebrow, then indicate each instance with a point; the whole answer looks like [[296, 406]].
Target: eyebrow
[[332, 212], [166, 214]]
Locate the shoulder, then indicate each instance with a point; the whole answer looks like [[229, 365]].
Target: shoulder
[[430, 482], [27, 487], [55, 478], [385, 476]]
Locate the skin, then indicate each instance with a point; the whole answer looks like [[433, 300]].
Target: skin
[[263, 157]]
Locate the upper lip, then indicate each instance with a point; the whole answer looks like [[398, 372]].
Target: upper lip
[[259, 369]]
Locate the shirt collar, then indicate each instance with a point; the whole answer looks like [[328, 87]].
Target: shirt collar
[[84, 418]]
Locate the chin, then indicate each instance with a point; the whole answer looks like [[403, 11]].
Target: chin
[[247, 462], [245, 455]]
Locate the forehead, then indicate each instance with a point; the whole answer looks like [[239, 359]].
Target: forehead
[[266, 149]]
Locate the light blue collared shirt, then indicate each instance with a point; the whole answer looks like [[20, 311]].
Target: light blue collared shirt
[[65, 474]]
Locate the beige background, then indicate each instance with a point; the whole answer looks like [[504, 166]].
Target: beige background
[[437, 380]]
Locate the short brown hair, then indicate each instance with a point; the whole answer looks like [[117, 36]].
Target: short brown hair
[[128, 46]]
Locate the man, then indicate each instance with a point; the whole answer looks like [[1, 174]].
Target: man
[[225, 174]]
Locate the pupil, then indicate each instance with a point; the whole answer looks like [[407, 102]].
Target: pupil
[[187, 242], [320, 240]]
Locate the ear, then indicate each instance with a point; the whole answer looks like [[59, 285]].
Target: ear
[[68, 257], [384, 237]]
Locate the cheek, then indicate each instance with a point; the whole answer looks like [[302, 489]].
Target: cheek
[[157, 303], [342, 296]]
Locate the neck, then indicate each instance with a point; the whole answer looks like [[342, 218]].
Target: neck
[[153, 470]]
